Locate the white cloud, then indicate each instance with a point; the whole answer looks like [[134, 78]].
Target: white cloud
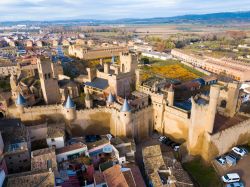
[[111, 9]]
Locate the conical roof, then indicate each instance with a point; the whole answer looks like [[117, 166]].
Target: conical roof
[[111, 98], [125, 106], [20, 100], [69, 103]]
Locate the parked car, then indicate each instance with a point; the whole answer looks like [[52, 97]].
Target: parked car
[[239, 151], [231, 161], [161, 138], [221, 160], [176, 148], [231, 177], [234, 155], [235, 184]]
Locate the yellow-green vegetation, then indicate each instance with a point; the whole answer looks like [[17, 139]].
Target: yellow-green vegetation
[[4, 85], [172, 69], [202, 173]]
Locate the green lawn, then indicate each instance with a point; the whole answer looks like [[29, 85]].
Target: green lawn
[[204, 175]]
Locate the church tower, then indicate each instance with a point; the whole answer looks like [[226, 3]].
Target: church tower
[[49, 84]]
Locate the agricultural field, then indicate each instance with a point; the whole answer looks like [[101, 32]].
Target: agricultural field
[[172, 69]]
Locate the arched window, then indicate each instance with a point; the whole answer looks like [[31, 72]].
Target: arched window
[[223, 104]]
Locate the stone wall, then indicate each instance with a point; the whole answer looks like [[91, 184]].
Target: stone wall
[[92, 121], [176, 123], [223, 141]]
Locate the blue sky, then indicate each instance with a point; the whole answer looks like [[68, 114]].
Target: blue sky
[[12, 10]]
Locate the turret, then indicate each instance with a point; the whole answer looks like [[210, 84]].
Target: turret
[[70, 109], [106, 68], [88, 100], [232, 101], [20, 103], [126, 119], [212, 109], [110, 100], [113, 60], [13, 82], [170, 97], [138, 76]]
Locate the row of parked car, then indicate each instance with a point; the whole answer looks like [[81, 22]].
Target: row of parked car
[[167, 141], [232, 157]]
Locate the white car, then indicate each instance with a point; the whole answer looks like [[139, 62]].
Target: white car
[[221, 160], [231, 177], [161, 138], [239, 151]]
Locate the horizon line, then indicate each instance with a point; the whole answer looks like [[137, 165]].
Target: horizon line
[[79, 19]]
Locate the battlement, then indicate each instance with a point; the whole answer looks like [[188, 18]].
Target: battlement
[[43, 108]]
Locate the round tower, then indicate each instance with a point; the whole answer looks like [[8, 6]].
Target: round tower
[[126, 118], [212, 108], [70, 109], [110, 100], [88, 100], [20, 103], [138, 76], [170, 97]]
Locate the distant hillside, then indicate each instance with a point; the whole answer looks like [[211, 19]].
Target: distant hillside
[[214, 18]]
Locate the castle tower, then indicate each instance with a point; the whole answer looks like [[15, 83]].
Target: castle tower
[[170, 97], [126, 121], [113, 60], [20, 103], [70, 109], [233, 94], [128, 62], [106, 68], [49, 85], [110, 100], [138, 75], [202, 120], [88, 100], [212, 109], [13, 85]]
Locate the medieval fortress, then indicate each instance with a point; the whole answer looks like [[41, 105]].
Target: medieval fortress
[[212, 126]]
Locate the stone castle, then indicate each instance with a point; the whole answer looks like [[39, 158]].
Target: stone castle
[[210, 128]]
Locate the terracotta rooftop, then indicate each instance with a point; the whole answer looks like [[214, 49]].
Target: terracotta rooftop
[[222, 122], [136, 174], [114, 177], [26, 179], [71, 148], [99, 178], [55, 131]]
